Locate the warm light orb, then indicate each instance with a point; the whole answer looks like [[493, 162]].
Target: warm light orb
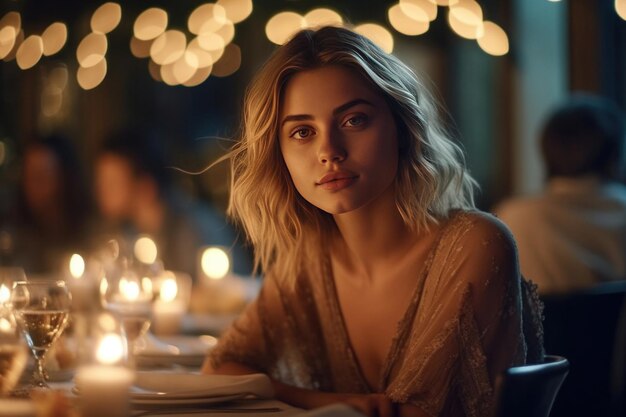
[[29, 52], [90, 78], [226, 32], [167, 74], [168, 47], [129, 289], [208, 17], [145, 250], [8, 36], [169, 290], [229, 63], [322, 17], [468, 12], [406, 24], [203, 57], [620, 8], [54, 38], [150, 24], [111, 349], [185, 67], [444, 2], [5, 294], [420, 10], [283, 26], [5, 326], [59, 76], [19, 38], [106, 17], [139, 48], [236, 10], [377, 34], [92, 50], [200, 76], [77, 266], [493, 39], [463, 29], [146, 285], [155, 71], [215, 263], [13, 19]]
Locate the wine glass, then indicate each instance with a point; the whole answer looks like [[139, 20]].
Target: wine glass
[[41, 310], [129, 298]]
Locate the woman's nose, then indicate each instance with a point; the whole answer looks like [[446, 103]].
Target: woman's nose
[[331, 148]]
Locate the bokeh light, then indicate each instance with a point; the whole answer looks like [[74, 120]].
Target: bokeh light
[[29, 52], [106, 17], [77, 266], [91, 77], [208, 17], [54, 38], [420, 10], [200, 76], [145, 250], [620, 8], [168, 47], [139, 48], [322, 17], [283, 26], [236, 10], [468, 12], [92, 49], [203, 57], [150, 24], [215, 263], [377, 34], [13, 19], [406, 24], [7, 40], [463, 29], [493, 39]]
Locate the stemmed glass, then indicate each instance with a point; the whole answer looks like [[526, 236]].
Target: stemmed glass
[[130, 300], [41, 310]]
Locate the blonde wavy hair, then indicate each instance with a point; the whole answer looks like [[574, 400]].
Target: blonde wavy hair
[[286, 230]]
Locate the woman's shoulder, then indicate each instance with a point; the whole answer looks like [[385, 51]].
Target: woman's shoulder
[[476, 224]]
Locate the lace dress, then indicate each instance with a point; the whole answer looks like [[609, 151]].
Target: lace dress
[[471, 316]]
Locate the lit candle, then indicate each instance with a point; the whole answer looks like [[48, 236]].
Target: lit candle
[[104, 387], [81, 285], [168, 310]]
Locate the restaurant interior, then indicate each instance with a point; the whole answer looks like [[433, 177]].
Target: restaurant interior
[[96, 95]]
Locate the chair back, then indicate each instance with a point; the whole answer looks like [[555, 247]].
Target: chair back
[[583, 326], [530, 390]]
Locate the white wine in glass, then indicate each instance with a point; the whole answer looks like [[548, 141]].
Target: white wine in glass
[[41, 310]]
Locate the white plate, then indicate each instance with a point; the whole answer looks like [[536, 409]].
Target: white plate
[[165, 400], [186, 351]]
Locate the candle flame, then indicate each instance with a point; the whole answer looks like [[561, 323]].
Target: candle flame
[[130, 289], [77, 266], [110, 349], [169, 289], [5, 294], [215, 263]]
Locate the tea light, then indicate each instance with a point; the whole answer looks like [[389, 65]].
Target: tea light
[[104, 387], [80, 284], [168, 310]]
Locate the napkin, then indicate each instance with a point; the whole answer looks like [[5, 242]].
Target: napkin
[[190, 385]]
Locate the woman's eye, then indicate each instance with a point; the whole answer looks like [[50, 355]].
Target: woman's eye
[[301, 133], [355, 121]]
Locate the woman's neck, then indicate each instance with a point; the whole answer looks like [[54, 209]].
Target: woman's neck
[[372, 239]]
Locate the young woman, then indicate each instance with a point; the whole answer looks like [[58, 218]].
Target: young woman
[[384, 288]]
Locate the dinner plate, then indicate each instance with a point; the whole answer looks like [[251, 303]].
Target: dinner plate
[[179, 350], [167, 400]]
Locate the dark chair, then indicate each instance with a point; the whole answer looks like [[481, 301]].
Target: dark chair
[[582, 327], [530, 390]]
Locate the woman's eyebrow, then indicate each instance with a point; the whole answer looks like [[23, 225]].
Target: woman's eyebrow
[[336, 111]]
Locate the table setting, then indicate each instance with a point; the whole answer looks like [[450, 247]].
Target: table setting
[[115, 337]]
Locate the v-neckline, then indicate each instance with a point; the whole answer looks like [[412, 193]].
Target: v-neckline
[[402, 329]]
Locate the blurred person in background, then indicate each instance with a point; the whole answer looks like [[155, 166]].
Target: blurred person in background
[[573, 235], [135, 195], [51, 216]]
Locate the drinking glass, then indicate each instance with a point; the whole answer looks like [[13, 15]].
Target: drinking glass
[[41, 310], [130, 300]]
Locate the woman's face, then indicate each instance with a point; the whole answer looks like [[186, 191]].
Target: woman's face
[[338, 139]]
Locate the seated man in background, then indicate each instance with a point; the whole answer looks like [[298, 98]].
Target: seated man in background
[[135, 195], [573, 235]]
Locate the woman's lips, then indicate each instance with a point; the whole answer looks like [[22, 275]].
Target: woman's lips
[[335, 181]]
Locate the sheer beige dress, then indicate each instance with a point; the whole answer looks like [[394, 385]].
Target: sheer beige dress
[[470, 317]]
